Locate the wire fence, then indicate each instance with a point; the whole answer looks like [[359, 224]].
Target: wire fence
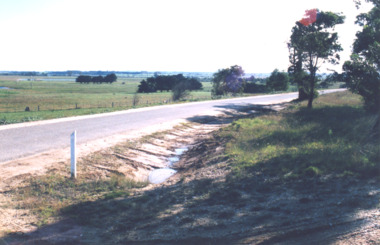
[[137, 102]]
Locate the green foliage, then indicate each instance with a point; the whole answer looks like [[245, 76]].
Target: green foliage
[[362, 71], [278, 81], [228, 80], [364, 79], [110, 78], [251, 87], [310, 46], [166, 83]]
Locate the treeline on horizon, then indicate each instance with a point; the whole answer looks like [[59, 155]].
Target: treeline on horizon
[[168, 83], [110, 78], [142, 74]]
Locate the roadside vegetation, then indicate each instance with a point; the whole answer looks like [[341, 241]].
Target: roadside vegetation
[[46, 196], [333, 138]]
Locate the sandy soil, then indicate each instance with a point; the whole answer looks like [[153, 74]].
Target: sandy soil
[[199, 204]]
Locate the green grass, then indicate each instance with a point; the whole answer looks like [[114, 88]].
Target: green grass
[[330, 139], [47, 195], [48, 100]]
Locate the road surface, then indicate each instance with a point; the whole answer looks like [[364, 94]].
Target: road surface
[[26, 139]]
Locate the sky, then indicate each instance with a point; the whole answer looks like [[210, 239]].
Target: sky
[[158, 35]]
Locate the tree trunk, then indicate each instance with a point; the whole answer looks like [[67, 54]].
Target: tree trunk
[[302, 95], [310, 101], [311, 94], [312, 84], [375, 132]]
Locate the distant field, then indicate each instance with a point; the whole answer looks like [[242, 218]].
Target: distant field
[[64, 98], [54, 99]]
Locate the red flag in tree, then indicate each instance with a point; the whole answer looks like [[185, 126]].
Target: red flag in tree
[[310, 17]]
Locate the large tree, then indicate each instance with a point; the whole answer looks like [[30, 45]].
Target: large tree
[[362, 72], [313, 42], [228, 80]]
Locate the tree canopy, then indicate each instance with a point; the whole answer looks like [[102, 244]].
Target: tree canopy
[[228, 80], [362, 72], [167, 83], [278, 81], [313, 43], [110, 78]]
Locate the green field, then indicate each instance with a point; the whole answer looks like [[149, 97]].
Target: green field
[[65, 98], [55, 99]]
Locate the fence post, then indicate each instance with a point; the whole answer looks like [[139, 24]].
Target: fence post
[[73, 155]]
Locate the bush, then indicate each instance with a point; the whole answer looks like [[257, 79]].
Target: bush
[[180, 91], [255, 88], [136, 99], [278, 81]]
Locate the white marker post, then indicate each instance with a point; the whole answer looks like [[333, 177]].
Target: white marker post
[[73, 155]]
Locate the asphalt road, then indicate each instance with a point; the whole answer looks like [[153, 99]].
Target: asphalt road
[[27, 139]]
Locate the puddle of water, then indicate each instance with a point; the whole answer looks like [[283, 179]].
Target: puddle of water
[[180, 151], [159, 176], [4, 88], [173, 160]]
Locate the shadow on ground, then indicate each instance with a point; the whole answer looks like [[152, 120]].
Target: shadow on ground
[[232, 112], [205, 211], [207, 204]]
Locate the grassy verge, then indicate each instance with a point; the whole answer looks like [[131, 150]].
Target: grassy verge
[[330, 139], [45, 196]]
